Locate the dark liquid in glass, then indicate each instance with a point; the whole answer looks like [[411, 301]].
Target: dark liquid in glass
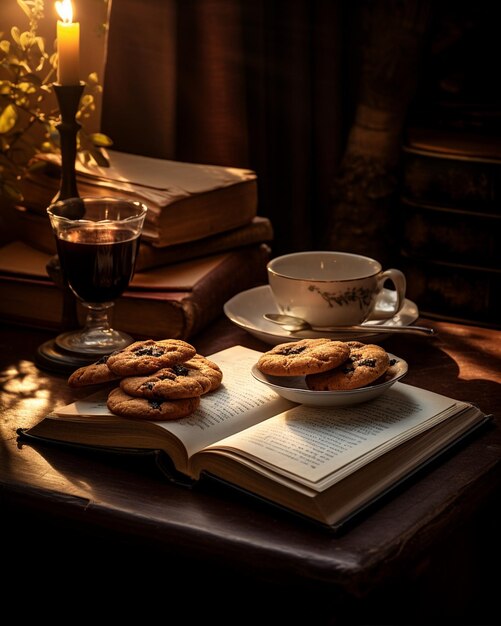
[[97, 263]]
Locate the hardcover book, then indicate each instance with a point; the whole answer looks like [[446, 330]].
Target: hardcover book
[[174, 301], [186, 201], [326, 464]]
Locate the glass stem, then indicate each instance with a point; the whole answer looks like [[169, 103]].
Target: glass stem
[[97, 316]]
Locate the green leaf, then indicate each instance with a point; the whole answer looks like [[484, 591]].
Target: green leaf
[[27, 87], [22, 102], [99, 157], [8, 119], [86, 100], [100, 140], [15, 34], [26, 39], [41, 44], [5, 46]]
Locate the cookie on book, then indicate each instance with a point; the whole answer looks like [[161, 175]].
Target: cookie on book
[[306, 356], [148, 356], [192, 378], [158, 409], [365, 364], [92, 374], [208, 368]]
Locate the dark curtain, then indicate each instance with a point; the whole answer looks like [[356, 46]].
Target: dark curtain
[[311, 94]]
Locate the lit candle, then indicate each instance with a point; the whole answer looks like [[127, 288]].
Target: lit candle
[[68, 45]]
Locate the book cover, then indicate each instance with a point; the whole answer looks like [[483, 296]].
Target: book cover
[[173, 301], [323, 463]]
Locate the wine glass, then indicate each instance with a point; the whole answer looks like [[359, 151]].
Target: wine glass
[[97, 243]]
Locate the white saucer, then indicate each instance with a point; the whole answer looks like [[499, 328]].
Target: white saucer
[[294, 388], [247, 307]]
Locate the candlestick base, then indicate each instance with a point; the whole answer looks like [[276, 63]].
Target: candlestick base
[[52, 358]]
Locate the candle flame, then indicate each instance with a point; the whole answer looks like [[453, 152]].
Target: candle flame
[[65, 11]]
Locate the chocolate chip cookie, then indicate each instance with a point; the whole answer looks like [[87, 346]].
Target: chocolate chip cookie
[[183, 380], [92, 374], [303, 357], [157, 409], [364, 365], [148, 356]]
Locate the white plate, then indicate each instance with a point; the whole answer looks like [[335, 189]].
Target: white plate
[[247, 307], [294, 388]]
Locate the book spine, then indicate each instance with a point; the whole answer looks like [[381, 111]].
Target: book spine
[[244, 269], [258, 231], [32, 303], [31, 228], [448, 235], [452, 181]]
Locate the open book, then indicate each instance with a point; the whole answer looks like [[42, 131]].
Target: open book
[[325, 463]]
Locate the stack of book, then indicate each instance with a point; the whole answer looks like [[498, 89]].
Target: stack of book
[[451, 226], [202, 243]]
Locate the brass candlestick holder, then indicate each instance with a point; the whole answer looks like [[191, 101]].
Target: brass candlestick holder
[[50, 355]]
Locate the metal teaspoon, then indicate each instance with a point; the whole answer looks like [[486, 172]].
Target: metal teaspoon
[[295, 324]]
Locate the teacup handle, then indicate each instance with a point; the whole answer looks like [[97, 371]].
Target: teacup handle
[[399, 282]]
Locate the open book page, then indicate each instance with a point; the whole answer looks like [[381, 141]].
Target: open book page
[[319, 446], [239, 402], [175, 177]]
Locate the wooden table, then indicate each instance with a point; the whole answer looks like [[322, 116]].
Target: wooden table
[[420, 555]]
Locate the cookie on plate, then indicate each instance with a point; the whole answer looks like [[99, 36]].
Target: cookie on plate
[[92, 374], [183, 380], [394, 369], [158, 409], [365, 364], [303, 357], [148, 356]]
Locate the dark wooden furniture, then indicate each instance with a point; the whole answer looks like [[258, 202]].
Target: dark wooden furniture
[[84, 529]]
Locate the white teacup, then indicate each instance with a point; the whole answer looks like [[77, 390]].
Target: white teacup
[[332, 288]]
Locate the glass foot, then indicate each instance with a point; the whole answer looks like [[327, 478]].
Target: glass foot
[[96, 341]]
